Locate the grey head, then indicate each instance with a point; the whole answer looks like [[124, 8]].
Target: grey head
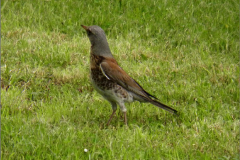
[[98, 41]]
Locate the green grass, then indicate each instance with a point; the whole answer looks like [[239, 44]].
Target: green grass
[[186, 53]]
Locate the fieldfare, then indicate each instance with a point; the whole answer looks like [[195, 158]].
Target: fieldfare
[[110, 80]]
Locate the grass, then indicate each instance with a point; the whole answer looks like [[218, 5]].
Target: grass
[[184, 52]]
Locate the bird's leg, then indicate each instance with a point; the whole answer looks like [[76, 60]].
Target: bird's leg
[[114, 111], [124, 110], [125, 118], [114, 108]]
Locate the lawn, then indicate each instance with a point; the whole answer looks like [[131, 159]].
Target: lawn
[[186, 53]]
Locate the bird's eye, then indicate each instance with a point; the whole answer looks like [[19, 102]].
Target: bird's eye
[[89, 32]]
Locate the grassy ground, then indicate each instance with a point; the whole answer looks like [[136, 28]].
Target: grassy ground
[[184, 52]]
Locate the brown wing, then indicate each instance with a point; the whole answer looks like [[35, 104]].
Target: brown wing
[[115, 73]]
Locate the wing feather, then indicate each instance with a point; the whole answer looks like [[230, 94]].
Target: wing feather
[[113, 72], [116, 74]]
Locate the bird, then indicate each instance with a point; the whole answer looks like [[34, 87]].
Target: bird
[[110, 80]]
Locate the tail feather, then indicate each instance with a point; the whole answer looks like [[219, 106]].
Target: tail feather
[[163, 106]]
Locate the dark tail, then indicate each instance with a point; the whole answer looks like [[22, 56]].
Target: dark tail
[[163, 106]]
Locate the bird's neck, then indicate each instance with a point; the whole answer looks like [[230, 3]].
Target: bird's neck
[[99, 49]]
